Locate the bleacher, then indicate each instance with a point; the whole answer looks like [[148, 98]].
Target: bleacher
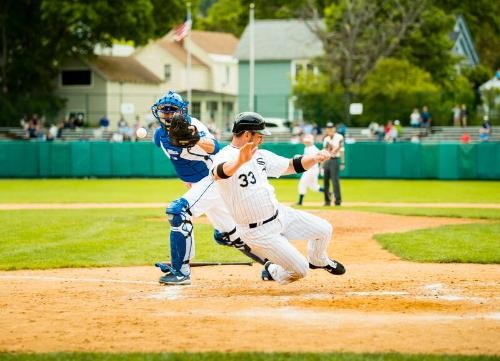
[[438, 134]]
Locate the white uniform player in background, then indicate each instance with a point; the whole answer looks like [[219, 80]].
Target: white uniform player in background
[[309, 179], [241, 171]]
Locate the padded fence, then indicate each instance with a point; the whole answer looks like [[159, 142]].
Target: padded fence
[[363, 160]]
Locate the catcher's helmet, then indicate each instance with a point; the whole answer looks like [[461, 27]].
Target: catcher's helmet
[[167, 106], [253, 122]]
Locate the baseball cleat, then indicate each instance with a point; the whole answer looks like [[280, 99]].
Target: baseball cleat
[[175, 279], [334, 267], [265, 275]]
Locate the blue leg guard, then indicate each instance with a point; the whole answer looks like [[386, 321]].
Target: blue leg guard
[[181, 231]]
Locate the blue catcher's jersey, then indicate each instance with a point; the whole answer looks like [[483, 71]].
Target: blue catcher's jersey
[[193, 164]]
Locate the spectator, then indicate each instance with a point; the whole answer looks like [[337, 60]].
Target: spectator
[[456, 111], [485, 131], [415, 139], [53, 131], [342, 129], [415, 118], [397, 130], [123, 128], [388, 132], [426, 117], [104, 123], [464, 114], [78, 121], [465, 138], [307, 128], [316, 130]]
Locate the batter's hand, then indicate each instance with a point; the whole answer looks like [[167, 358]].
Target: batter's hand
[[247, 152], [322, 155]]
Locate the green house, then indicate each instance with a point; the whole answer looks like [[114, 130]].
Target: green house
[[283, 49]]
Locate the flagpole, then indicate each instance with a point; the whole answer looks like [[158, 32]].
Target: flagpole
[[188, 74], [251, 71]]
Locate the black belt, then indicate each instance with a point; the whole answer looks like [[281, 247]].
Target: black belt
[[253, 225]]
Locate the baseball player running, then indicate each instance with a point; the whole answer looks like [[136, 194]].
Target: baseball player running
[[309, 179], [191, 147], [241, 170]]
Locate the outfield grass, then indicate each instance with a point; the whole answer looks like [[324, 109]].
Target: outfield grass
[[469, 243], [477, 213], [39, 239], [238, 356], [164, 190]]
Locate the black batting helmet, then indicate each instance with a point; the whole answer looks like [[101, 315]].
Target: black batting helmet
[[253, 122]]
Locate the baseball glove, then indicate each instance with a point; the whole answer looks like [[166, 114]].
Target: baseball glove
[[181, 133]]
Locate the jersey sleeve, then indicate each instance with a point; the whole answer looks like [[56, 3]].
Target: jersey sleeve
[[221, 157], [205, 133], [276, 165]]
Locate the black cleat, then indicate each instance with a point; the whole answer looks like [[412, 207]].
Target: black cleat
[[265, 275], [334, 267]]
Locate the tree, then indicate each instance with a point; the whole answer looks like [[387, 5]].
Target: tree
[[37, 36], [484, 23], [429, 45], [394, 88], [357, 33]]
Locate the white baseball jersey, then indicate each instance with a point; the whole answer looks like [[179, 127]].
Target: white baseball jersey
[[309, 179], [267, 226], [248, 194], [335, 143]]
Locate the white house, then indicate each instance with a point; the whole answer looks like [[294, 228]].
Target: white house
[[128, 85]]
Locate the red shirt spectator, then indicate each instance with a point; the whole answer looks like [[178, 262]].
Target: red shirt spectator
[[465, 138]]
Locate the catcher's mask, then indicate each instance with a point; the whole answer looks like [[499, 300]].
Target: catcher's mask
[[165, 108]]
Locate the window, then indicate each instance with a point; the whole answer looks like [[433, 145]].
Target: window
[[76, 77], [212, 110], [168, 72], [196, 109]]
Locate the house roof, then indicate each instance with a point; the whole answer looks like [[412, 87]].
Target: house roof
[[280, 40], [215, 42], [125, 69], [178, 51]]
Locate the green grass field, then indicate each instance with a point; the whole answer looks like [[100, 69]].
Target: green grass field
[[95, 237], [239, 356], [469, 243], [164, 190], [121, 237]]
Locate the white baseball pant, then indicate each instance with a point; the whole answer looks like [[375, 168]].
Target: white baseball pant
[[271, 241]]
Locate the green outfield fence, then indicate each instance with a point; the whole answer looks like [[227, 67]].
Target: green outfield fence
[[20, 159]]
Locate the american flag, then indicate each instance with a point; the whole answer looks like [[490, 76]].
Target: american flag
[[182, 30]]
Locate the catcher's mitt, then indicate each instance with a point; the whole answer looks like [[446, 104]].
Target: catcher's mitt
[[180, 133]]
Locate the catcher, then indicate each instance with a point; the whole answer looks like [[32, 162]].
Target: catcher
[[190, 147]]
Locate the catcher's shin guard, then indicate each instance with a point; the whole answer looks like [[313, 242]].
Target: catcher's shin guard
[[181, 234]]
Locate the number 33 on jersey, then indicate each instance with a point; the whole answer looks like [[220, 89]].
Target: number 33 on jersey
[[246, 202]]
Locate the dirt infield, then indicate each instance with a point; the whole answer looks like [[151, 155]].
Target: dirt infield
[[381, 304]]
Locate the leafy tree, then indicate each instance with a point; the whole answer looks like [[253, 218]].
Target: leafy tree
[[168, 14], [358, 33], [484, 23], [226, 16], [429, 45], [394, 88], [37, 36]]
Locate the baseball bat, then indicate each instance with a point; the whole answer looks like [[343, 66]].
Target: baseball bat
[[165, 266]]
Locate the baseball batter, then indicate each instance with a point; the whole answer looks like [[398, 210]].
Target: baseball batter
[[192, 164], [309, 179], [241, 171]]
